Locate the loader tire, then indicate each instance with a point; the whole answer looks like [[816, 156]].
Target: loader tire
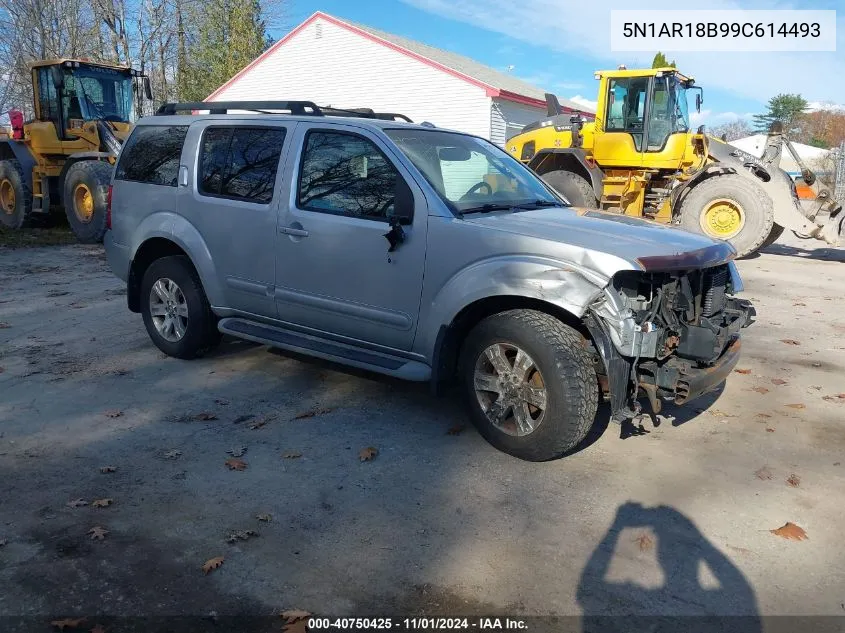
[[731, 208], [15, 196], [774, 234], [85, 199], [573, 187]]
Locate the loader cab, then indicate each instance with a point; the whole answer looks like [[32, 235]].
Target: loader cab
[[644, 118], [71, 93]]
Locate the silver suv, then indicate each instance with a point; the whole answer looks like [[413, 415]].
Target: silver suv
[[420, 253]]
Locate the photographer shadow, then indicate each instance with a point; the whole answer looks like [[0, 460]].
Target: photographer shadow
[[683, 602]]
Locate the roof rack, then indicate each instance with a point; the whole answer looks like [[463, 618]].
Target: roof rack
[[306, 108]]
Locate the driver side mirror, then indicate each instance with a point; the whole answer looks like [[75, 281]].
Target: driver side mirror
[[403, 203], [58, 77], [698, 102], [148, 89]]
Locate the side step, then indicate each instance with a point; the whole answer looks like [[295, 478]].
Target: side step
[[325, 349]]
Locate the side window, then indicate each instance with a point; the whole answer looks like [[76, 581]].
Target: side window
[[626, 107], [240, 162], [151, 155], [346, 174], [47, 97]]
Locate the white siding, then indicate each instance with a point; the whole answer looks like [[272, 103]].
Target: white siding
[[508, 118], [332, 66]]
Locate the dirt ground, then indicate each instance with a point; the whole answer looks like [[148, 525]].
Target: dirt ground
[[676, 520]]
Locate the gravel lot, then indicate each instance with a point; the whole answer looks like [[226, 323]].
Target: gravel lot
[[437, 523]]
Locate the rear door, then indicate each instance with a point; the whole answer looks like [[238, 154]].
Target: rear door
[[334, 272], [232, 198]]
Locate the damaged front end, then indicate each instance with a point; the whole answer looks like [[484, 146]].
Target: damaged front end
[[668, 335]]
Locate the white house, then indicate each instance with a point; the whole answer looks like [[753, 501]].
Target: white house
[[334, 62]]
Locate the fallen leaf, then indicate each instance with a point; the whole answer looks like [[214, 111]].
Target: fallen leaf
[[793, 480], [76, 503], [839, 397], [235, 464], [240, 535], [768, 430], [763, 473], [790, 341], [264, 517], [645, 542], [739, 550], [779, 381], [291, 454], [368, 454], [790, 531], [742, 371], [4, 326], [97, 533], [101, 503], [212, 564], [67, 623], [221, 401], [237, 452], [721, 414], [108, 469], [113, 413], [796, 405], [456, 430], [760, 389], [292, 615], [173, 454], [205, 415], [763, 415], [243, 418], [310, 414], [800, 304], [258, 424]]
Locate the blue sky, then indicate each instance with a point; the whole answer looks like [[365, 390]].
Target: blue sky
[[558, 44]]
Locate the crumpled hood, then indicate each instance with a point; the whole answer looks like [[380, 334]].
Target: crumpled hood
[[644, 244]]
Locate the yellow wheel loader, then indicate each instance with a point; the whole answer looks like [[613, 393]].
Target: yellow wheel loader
[[63, 157], [640, 157]]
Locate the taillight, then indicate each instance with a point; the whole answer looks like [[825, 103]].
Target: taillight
[[108, 208]]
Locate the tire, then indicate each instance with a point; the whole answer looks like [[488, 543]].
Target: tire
[[573, 187], [567, 374], [200, 332], [15, 196], [757, 211], [774, 234], [84, 196]]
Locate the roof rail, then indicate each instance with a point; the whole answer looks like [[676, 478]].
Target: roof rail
[[307, 108]]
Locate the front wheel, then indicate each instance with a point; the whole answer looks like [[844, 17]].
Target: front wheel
[[573, 187], [529, 383], [731, 208], [85, 199]]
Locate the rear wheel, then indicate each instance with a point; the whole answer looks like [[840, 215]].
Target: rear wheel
[[175, 310], [573, 187], [731, 208], [529, 384], [85, 199], [15, 196]]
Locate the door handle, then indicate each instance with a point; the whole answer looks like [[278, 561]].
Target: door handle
[[287, 230]]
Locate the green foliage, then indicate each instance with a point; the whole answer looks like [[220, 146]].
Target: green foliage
[[786, 108], [229, 34], [660, 61]]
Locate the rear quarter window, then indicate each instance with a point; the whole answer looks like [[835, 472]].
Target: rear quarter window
[[152, 155]]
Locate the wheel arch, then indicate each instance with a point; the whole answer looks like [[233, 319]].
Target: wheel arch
[[13, 150], [568, 159]]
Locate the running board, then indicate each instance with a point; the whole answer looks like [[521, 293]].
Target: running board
[[325, 349]]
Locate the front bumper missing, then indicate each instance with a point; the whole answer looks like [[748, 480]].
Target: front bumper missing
[[683, 381]]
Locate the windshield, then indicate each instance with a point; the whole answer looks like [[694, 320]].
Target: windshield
[[471, 174], [98, 94]]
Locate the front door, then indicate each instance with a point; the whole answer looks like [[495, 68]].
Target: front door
[[333, 269]]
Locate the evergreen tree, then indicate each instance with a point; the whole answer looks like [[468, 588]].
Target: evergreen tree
[[229, 35], [660, 61], [786, 108]]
